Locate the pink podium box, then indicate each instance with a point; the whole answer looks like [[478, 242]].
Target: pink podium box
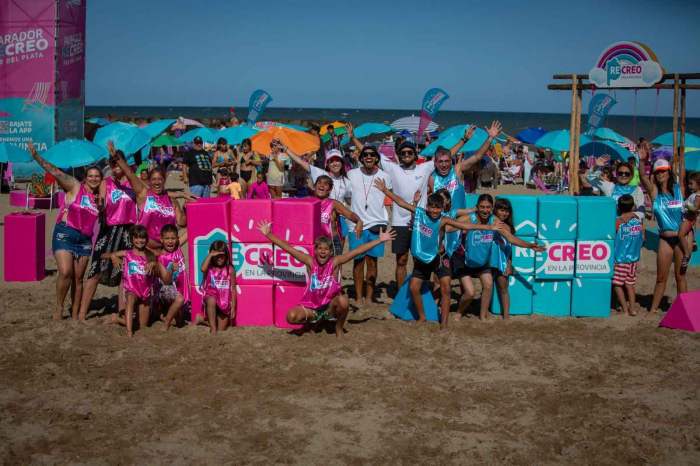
[[286, 297], [25, 235], [254, 305], [254, 263], [297, 221], [245, 216], [198, 249], [289, 271], [196, 303], [207, 214]]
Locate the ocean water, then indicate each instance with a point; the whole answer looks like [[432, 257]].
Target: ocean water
[[513, 123]]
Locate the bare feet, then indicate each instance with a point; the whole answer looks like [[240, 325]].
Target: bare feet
[[129, 334], [199, 320], [651, 313], [506, 318], [339, 333], [82, 318], [421, 320], [443, 327], [112, 319], [58, 314]]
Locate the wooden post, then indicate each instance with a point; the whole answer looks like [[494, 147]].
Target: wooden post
[[577, 136], [681, 152], [675, 120], [572, 140]]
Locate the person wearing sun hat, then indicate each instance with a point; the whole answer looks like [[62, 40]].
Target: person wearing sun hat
[[667, 200]]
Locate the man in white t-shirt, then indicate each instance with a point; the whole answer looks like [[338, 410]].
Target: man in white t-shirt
[[368, 203]]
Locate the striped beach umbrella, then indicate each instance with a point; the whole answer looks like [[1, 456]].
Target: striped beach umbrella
[[411, 123]]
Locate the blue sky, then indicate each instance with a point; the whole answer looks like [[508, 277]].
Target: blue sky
[[489, 56]]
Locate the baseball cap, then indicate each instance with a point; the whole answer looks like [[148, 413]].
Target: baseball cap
[[197, 140], [661, 165], [334, 153], [407, 145], [369, 148]]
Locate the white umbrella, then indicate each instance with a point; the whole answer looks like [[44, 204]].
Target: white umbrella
[[189, 122], [410, 124]]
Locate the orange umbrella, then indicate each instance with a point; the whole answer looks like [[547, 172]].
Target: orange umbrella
[[298, 141], [335, 124]]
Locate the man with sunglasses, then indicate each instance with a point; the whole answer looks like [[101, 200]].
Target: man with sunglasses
[[406, 177], [196, 169], [624, 174], [368, 203]]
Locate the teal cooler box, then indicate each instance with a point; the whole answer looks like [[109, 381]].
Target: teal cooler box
[[523, 259], [524, 214], [557, 218], [591, 297], [596, 218], [551, 297], [470, 200], [520, 291]]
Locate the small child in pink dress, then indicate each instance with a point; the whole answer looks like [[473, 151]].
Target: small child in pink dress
[[322, 298], [218, 287], [140, 269]]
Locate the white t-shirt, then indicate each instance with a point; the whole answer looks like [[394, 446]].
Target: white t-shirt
[[368, 200], [406, 182], [341, 186]]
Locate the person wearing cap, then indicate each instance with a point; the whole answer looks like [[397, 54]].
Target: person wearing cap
[[406, 177], [623, 174], [368, 203], [197, 169], [667, 200]]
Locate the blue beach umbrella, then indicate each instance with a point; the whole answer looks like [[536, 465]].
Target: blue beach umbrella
[[156, 128], [530, 135], [559, 140], [453, 135], [11, 153], [75, 153], [236, 134], [98, 121], [692, 160], [610, 135], [367, 129], [127, 138], [691, 140], [600, 148], [207, 134]]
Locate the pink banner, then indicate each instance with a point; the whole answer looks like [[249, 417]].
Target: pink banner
[[71, 69]]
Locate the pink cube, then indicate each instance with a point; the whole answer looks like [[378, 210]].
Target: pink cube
[[196, 301], [245, 216], [25, 235], [254, 305], [286, 297], [253, 263], [197, 251], [206, 215], [297, 221], [288, 270]]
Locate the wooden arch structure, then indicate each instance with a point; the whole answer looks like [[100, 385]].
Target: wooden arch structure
[[577, 87]]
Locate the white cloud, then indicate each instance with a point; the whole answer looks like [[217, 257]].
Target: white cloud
[[651, 72], [598, 76]]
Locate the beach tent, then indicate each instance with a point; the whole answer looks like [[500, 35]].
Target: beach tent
[[684, 313], [410, 124]]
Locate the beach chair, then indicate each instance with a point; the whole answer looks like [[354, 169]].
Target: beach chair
[[38, 189], [37, 97], [485, 177], [511, 174]]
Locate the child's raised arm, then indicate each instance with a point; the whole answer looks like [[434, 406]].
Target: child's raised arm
[[205, 265], [182, 239], [167, 274], [461, 212], [264, 227], [514, 240], [381, 185], [64, 180], [350, 215], [384, 235]]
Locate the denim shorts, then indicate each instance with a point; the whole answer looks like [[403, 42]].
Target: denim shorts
[[69, 239], [200, 190]]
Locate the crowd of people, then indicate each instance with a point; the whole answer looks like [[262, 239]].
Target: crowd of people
[[142, 226]]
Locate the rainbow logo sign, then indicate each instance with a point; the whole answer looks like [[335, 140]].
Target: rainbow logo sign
[[626, 64]]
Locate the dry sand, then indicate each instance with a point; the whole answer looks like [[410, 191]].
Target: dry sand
[[536, 390]]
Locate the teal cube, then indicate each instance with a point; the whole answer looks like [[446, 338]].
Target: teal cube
[[651, 239], [520, 292], [595, 259], [556, 217], [591, 297], [470, 200], [523, 259], [557, 262], [524, 213], [596, 218], [551, 297]]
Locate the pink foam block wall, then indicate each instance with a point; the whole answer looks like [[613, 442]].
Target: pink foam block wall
[[286, 297], [207, 214], [254, 305], [297, 221], [245, 216], [196, 302], [253, 263], [24, 247], [288, 270]]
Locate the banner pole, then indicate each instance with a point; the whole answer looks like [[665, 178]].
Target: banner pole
[[574, 83]]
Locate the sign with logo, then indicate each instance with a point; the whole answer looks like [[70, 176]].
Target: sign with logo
[[626, 64], [70, 51], [253, 262], [557, 261], [257, 104], [432, 101], [288, 270], [594, 259], [199, 250], [523, 259], [597, 111]]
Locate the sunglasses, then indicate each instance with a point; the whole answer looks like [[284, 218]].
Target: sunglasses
[[407, 152], [624, 174]]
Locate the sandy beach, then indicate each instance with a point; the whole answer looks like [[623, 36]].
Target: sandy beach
[[536, 390]]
